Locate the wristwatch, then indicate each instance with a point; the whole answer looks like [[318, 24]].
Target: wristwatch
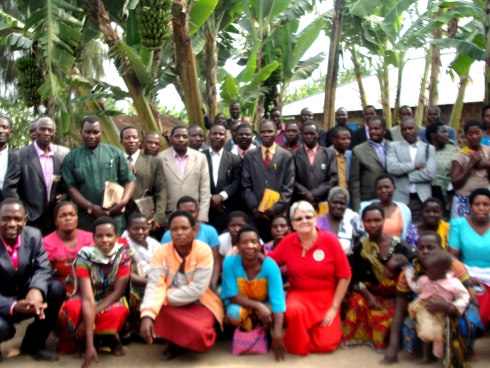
[[90, 208]]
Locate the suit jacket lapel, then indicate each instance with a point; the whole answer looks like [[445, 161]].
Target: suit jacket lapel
[[304, 156], [257, 154], [191, 163], [223, 169], [405, 150], [371, 151], [23, 253], [34, 160], [170, 162], [140, 163], [276, 158], [5, 262], [320, 154]]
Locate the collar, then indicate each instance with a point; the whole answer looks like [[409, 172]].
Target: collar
[[176, 155], [313, 150], [8, 247], [383, 143], [5, 150], [338, 154], [414, 145], [134, 156], [40, 152], [214, 153], [296, 146], [272, 149]]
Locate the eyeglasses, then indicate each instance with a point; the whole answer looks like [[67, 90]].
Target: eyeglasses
[[307, 218]]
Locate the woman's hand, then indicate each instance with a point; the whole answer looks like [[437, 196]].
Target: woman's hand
[[329, 317], [147, 330], [265, 315], [278, 348], [474, 281], [475, 158], [373, 302], [90, 353], [437, 304], [391, 356], [80, 331]]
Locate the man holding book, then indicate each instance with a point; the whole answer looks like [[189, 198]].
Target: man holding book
[[87, 169], [34, 169], [268, 167]]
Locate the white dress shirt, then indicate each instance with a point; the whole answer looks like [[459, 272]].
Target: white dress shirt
[[134, 156], [413, 153], [215, 161], [4, 161]]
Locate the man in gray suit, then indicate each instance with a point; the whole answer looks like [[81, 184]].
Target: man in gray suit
[[186, 173], [367, 163], [413, 165], [149, 177], [271, 167], [29, 177]]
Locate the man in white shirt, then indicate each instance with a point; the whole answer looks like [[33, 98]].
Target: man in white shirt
[[413, 166], [5, 134], [225, 175]]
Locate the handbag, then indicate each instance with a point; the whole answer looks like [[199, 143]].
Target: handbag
[[250, 342]]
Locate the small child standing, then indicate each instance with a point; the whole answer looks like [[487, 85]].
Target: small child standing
[[438, 281]]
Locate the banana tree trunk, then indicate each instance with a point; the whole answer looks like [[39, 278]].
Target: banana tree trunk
[[101, 17], [356, 60], [420, 112], [333, 66], [384, 85], [399, 86], [210, 59], [186, 62], [259, 107], [455, 118], [435, 69]]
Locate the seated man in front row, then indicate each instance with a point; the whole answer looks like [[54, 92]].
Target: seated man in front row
[[26, 288]]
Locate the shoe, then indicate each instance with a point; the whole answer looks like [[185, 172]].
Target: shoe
[[42, 355]]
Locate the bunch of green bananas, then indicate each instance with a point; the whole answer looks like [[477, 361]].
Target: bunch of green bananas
[[154, 17], [30, 79]]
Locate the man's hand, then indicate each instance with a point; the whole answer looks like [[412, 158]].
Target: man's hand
[[60, 198], [271, 212], [98, 211], [307, 196], [419, 166], [35, 298], [216, 200], [23, 307], [154, 225], [116, 207], [259, 215], [147, 330]]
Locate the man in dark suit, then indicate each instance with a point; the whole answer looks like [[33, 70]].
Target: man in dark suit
[[305, 115], [361, 135], [5, 152], [316, 167], [268, 166], [225, 174], [231, 143], [150, 179], [27, 289], [30, 174], [367, 163], [341, 116], [152, 144]]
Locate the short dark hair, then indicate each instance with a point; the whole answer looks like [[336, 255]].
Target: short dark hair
[[440, 259], [135, 216], [9, 201], [234, 122], [433, 200], [180, 126], [337, 130], [280, 216], [407, 118], [384, 176], [152, 132], [243, 126], [484, 109], [472, 123], [186, 199], [91, 119], [121, 134], [237, 214], [180, 213], [433, 234], [195, 126], [218, 125], [57, 208], [432, 128], [247, 229], [8, 119], [369, 107], [437, 108], [291, 122], [105, 220], [268, 121], [478, 192], [310, 123], [373, 207], [404, 107], [235, 103], [275, 109], [381, 119]]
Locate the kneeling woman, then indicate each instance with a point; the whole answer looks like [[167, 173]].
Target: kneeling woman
[[178, 304], [100, 304], [252, 289], [319, 275]]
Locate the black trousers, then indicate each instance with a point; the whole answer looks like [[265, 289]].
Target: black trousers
[[38, 331]]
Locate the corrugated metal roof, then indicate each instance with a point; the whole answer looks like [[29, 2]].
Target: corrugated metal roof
[[347, 96]]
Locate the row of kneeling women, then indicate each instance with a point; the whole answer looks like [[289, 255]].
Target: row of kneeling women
[[302, 294]]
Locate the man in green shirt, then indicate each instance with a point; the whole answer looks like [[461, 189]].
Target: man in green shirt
[[87, 169]]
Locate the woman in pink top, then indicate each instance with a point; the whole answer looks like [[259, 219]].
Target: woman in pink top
[[62, 245]]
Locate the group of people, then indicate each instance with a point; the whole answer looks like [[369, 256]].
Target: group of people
[[351, 245]]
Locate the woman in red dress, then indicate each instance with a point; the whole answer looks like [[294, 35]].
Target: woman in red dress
[[319, 274]]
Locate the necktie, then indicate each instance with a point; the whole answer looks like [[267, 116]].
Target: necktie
[[130, 163], [267, 159]]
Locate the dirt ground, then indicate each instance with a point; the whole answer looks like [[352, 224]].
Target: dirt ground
[[141, 355]]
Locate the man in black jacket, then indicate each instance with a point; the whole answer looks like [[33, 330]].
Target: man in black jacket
[[5, 152], [27, 289], [361, 135]]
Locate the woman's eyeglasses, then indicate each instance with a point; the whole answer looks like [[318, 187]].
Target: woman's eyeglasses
[[307, 218]]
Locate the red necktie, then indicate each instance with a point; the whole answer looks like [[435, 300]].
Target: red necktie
[[267, 159]]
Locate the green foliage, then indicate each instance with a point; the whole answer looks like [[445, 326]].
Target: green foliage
[[154, 17], [30, 79], [21, 117]]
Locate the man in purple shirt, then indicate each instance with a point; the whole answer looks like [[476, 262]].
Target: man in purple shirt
[[31, 171]]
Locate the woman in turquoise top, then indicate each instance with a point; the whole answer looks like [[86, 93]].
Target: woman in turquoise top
[[485, 117], [252, 289], [468, 241]]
